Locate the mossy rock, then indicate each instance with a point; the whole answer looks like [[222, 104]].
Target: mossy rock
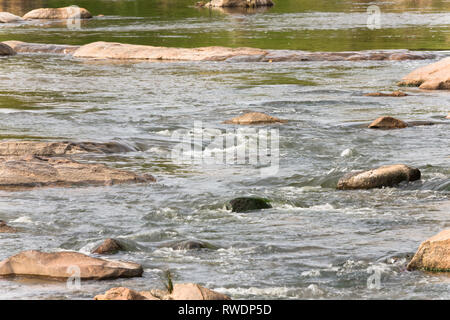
[[244, 204]]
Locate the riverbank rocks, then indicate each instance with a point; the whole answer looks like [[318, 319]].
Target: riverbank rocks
[[239, 3], [6, 17], [4, 228], [184, 291], [109, 246], [27, 47], [435, 76], [385, 176], [58, 13], [17, 173], [381, 94], [62, 265], [6, 50], [254, 118], [244, 204], [387, 123], [433, 254], [63, 148]]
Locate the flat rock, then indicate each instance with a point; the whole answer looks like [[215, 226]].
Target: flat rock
[[26, 47], [244, 204], [63, 148], [433, 254], [6, 17], [385, 176], [58, 13], [59, 265], [4, 228], [387, 123], [239, 3], [435, 76], [109, 246], [6, 50], [122, 293], [391, 94], [17, 173], [255, 118]]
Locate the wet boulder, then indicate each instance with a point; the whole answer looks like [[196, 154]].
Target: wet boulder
[[244, 204], [6, 50], [189, 245], [27, 47], [6, 17], [62, 265], [254, 118], [385, 176], [18, 173], [4, 228], [58, 13], [387, 123], [433, 254], [382, 94], [240, 3], [435, 76], [122, 293], [109, 246], [63, 148]]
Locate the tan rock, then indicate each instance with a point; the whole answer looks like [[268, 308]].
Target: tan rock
[[6, 50], [385, 176], [122, 293], [239, 3], [6, 17], [111, 50], [109, 246], [255, 118], [433, 254], [387, 123], [4, 228], [58, 13], [62, 265], [435, 76], [51, 149], [30, 172], [392, 94], [26, 47], [448, 116]]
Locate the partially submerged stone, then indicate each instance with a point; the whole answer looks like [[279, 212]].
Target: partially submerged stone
[[109, 246], [18, 173], [6, 50], [435, 76], [239, 3], [388, 123], [26, 47], [62, 265], [6, 17], [255, 118], [62, 148], [392, 94], [58, 13], [385, 176], [433, 254], [189, 245], [244, 204], [4, 228]]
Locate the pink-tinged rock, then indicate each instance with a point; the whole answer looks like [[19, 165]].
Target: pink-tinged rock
[[435, 76], [6, 17], [58, 13], [254, 118], [433, 254]]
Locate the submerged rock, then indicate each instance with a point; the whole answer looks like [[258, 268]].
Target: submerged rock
[[62, 265], [189, 245], [58, 13], [4, 228], [244, 204], [109, 246], [185, 291], [6, 17], [255, 118], [26, 47], [387, 123], [381, 94], [34, 171], [435, 76], [239, 3], [51, 149], [6, 50], [385, 176], [433, 254]]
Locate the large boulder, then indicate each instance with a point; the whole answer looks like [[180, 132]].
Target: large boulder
[[244, 204], [51, 149], [62, 265], [26, 47], [58, 13], [387, 123], [255, 118], [122, 293], [385, 176], [431, 77], [6, 50], [6, 17], [4, 228], [240, 3], [109, 246], [18, 173], [433, 254]]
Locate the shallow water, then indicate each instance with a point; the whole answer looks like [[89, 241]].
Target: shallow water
[[316, 242]]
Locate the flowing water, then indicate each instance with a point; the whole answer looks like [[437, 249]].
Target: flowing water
[[316, 242]]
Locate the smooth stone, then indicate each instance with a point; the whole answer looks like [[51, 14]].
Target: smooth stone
[[239, 3], [435, 76], [448, 116], [387, 123], [109, 246], [4, 228], [122, 293], [433, 254], [244, 204], [63, 148], [381, 94], [26, 47], [57, 13], [385, 176], [254, 118], [6, 17], [6, 50], [59, 265]]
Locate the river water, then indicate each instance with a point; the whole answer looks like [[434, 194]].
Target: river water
[[316, 242]]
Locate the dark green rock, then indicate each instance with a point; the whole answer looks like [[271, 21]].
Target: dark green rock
[[248, 204]]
